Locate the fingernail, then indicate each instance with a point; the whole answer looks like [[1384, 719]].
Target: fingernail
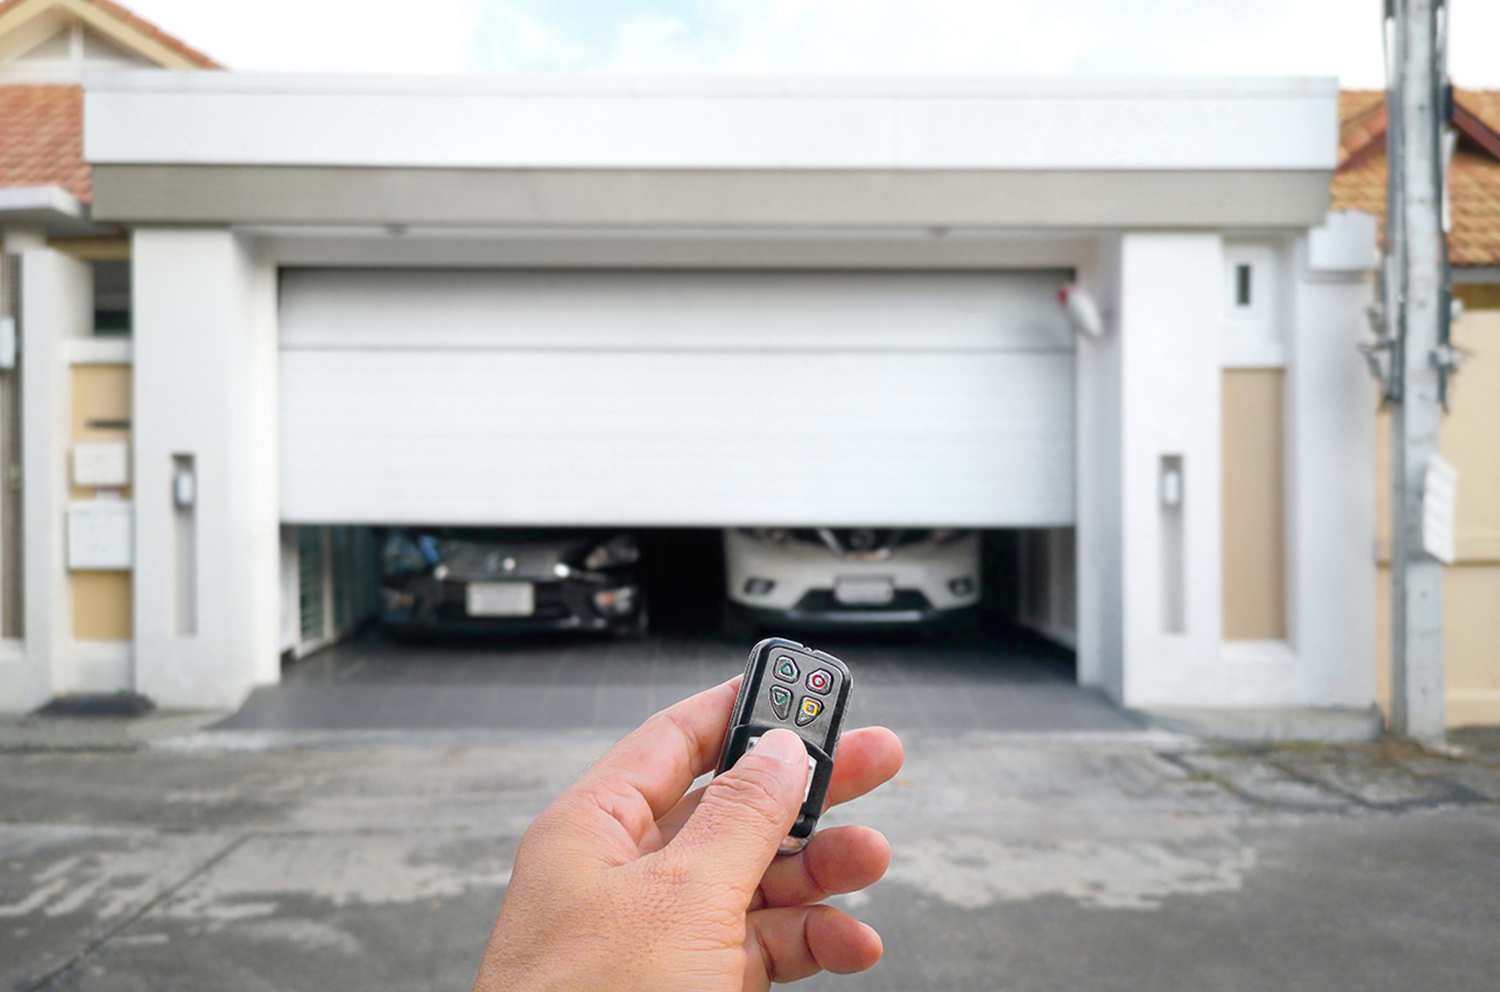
[[783, 745]]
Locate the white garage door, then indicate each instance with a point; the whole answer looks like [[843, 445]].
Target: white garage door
[[685, 398]]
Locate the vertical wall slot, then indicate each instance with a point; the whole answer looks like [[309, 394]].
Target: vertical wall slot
[[185, 536], [1173, 551], [1242, 286], [12, 533]]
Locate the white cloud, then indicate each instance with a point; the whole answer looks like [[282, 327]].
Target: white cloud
[[979, 37], [511, 35]]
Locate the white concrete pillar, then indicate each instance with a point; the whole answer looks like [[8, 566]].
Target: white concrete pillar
[[57, 305], [206, 603], [1331, 404], [1169, 323], [1100, 566]]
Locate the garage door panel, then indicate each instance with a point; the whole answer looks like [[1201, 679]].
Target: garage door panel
[[528, 393], [468, 310], [976, 438]]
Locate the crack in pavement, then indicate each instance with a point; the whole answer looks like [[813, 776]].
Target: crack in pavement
[[67, 966]]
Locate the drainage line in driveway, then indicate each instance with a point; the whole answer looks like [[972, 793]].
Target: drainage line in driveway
[[62, 970]]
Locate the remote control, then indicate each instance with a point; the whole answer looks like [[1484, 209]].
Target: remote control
[[796, 688]]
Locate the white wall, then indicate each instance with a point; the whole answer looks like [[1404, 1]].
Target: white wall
[[1172, 349], [205, 385], [1169, 320], [1330, 414]]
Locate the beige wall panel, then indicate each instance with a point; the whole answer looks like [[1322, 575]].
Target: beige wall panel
[[1471, 587], [101, 395], [1254, 528], [1383, 637], [101, 606], [1471, 433], [101, 600], [1471, 596]]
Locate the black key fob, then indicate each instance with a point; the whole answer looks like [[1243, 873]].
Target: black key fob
[[798, 689]]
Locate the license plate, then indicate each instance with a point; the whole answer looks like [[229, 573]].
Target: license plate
[[864, 591], [500, 599]]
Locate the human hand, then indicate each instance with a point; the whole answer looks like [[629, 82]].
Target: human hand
[[628, 883]]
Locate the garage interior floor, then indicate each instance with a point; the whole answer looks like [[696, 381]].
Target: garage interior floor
[[1006, 681]]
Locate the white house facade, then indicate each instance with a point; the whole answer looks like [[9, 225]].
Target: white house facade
[[364, 301]]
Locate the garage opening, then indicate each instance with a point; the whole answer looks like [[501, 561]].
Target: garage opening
[[992, 671], [351, 582]]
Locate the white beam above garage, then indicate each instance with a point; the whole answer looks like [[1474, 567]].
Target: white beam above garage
[[400, 122]]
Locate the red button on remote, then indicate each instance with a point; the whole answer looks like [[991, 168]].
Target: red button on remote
[[820, 681]]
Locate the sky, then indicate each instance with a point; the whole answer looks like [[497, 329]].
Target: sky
[[818, 37]]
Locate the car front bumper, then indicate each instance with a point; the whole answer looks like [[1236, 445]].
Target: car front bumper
[[427, 603], [804, 576], [819, 610]]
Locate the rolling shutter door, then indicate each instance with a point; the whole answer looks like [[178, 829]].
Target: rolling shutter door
[[675, 398]]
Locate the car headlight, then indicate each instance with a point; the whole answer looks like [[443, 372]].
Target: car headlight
[[401, 556], [613, 553]]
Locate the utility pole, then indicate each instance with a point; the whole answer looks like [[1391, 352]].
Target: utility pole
[[1417, 310]]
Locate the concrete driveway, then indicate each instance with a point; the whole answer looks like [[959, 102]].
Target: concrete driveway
[[1025, 858]]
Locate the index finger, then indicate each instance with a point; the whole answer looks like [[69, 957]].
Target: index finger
[[659, 760]]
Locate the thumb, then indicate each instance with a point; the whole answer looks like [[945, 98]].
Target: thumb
[[745, 813]]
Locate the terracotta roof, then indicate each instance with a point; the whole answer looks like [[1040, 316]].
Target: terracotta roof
[[42, 141], [143, 26], [1473, 178]]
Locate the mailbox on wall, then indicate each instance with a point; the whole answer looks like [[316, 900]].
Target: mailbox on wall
[[100, 536], [101, 464]]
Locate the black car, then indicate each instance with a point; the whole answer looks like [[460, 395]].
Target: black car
[[486, 579]]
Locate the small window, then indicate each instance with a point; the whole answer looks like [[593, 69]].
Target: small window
[[112, 297], [1242, 284]]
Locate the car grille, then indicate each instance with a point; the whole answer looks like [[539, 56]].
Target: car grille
[[467, 560]]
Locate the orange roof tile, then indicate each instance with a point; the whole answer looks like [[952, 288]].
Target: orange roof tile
[[144, 26], [42, 141], [1361, 121], [1473, 177]]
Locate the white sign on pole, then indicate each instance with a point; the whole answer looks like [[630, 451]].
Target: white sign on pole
[[1439, 499]]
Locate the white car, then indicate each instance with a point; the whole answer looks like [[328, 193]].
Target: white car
[[827, 576]]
